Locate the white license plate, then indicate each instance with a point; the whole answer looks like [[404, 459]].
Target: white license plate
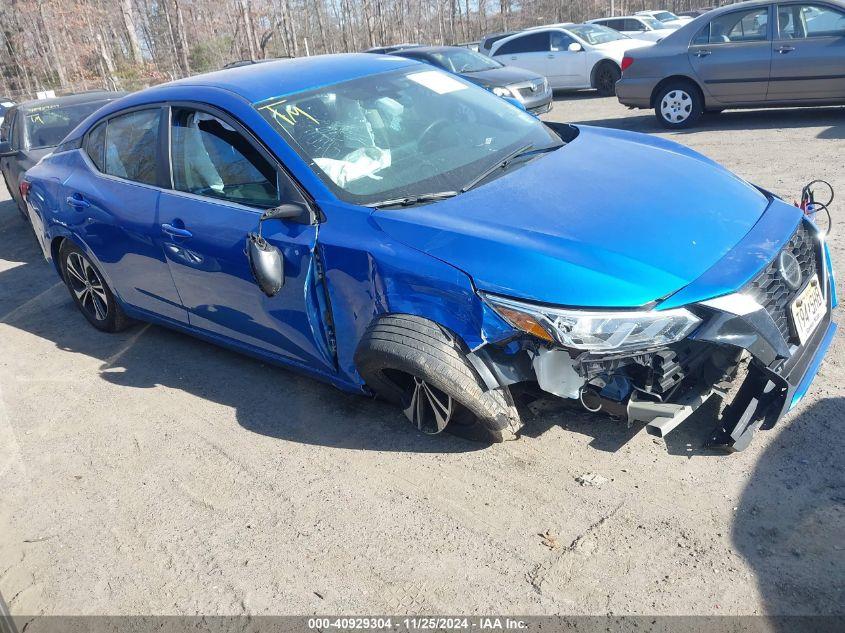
[[808, 309]]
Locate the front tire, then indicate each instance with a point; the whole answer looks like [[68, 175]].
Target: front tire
[[678, 105], [89, 290], [421, 367], [607, 74]]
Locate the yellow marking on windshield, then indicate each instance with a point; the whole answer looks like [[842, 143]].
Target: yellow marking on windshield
[[288, 113]]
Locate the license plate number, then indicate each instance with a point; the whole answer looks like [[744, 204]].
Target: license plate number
[[808, 309]]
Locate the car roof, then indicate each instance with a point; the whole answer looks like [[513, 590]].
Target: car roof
[[257, 82], [82, 97]]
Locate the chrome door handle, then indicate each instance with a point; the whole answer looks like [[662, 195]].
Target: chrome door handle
[[702, 53], [174, 231], [550, 56], [785, 49]]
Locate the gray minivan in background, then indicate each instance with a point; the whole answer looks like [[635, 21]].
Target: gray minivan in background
[[751, 54]]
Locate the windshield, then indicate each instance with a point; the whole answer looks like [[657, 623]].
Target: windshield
[[596, 33], [654, 24], [464, 61], [403, 133], [664, 16], [46, 126]]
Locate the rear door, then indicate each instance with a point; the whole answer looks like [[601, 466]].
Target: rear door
[[808, 53], [112, 203], [222, 182], [530, 51], [732, 54]]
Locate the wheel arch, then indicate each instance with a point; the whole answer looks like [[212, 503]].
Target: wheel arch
[[388, 278], [597, 65], [673, 78], [58, 240]]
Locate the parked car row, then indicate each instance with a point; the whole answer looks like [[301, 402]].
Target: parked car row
[[563, 56]]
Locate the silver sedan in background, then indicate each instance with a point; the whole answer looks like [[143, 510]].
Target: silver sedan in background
[[752, 54]]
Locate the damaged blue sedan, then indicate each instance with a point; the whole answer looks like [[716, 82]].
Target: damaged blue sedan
[[400, 232]]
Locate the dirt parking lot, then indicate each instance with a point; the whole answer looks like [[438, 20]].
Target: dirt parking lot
[[148, 472]]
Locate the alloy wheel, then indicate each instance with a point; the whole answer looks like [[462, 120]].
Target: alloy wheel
[[606, 83], [429, 409], [676, 106], [87, 286]]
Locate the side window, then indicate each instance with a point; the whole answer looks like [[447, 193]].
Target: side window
[[739, 26], [131, 146], [531, 43], [560, 41], [95, 145], [799, 21], [634, 25], [211, 158]]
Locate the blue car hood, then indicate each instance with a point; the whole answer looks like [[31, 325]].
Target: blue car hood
[[612, 219]]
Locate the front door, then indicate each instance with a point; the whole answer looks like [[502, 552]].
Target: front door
[[566, 68], [808, 54], [732, 55], [222, 183]]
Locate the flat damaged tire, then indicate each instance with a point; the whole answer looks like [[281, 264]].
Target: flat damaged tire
[[422, 368]]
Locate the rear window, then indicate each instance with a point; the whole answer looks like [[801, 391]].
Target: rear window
[[46, 126]]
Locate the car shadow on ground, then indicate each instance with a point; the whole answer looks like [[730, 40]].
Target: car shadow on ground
[[790, 521], [831, 118]]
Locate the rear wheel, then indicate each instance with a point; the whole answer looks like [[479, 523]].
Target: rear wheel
[[421, 367], [678, 105], [607, 74], [89, 291]]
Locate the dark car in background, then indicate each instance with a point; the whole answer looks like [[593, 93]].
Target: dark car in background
[[527, 87], [32, 129], [752, 54]]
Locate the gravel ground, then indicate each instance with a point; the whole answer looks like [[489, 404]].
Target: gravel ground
[[148, 472]]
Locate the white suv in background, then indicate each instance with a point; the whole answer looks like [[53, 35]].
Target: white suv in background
[[571, 56], [641, 27]]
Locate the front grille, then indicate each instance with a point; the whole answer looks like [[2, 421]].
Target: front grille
[[536, 88], [771, 291]]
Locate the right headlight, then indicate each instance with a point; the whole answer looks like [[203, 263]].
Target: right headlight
[[602, 331], [501, 91]]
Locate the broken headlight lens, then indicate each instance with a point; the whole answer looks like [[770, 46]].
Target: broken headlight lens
[[599, 331]]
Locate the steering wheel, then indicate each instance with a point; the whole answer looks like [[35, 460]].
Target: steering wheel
[[429, 134]]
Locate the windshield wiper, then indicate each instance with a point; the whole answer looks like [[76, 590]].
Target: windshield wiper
[[412, 200], [525, 150]]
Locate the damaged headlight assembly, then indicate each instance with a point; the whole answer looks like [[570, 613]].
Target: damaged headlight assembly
[[597, 331]]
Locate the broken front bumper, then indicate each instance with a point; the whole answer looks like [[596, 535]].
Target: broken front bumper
[[746, 349]]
